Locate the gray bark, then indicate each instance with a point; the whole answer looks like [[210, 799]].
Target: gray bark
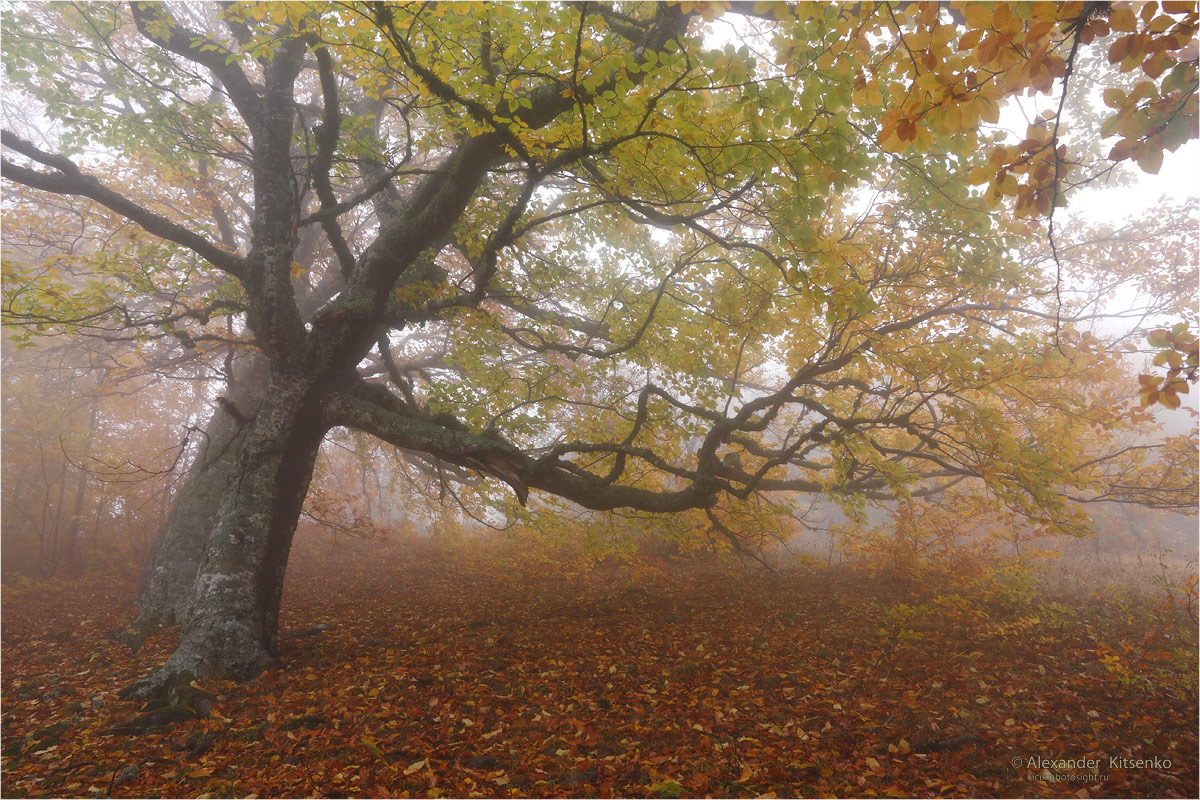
[[170, 572], [230, 627], [219, 563]]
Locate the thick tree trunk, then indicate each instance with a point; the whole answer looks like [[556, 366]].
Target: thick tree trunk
[[231, 624], [170, 572]]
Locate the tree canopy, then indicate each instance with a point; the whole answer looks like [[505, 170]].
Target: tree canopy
[[676, 258]]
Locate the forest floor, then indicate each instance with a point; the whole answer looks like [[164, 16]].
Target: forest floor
[[448, 674]]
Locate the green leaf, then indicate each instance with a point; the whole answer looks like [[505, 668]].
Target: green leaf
[[671, 789], [1149, 157]]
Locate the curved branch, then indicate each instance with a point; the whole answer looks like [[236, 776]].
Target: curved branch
[[373, 410], [70, 180], [327, 138], [156, 25]]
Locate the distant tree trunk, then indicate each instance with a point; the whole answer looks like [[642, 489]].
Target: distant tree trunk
[[230, 626], [75, 562], [169, 576], [51, 555]]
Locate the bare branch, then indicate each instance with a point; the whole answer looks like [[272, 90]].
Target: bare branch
[[70, 180]]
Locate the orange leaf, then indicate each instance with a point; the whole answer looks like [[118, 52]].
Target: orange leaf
[[1122, 19]]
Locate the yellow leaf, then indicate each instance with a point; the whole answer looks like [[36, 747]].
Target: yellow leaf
[[978, 15], [872, 763], [413, 767], [989, 109], [1114, 97], [969, 39], [981, 175]]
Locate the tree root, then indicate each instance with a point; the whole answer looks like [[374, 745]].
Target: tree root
[[133, 635], [169, 697]]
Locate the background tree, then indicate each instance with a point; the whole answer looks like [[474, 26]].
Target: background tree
[[609, 252], [92, 455]]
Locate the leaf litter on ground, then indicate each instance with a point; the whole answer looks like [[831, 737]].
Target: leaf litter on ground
[[472, 674]]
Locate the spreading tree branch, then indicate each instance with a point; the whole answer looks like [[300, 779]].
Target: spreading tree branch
[[70, 180]]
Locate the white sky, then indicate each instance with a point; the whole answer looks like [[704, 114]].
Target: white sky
[[1179, 178]]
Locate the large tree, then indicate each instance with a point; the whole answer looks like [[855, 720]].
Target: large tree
[[674, 258]]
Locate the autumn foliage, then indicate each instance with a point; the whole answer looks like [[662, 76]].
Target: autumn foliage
[[652, 291]]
